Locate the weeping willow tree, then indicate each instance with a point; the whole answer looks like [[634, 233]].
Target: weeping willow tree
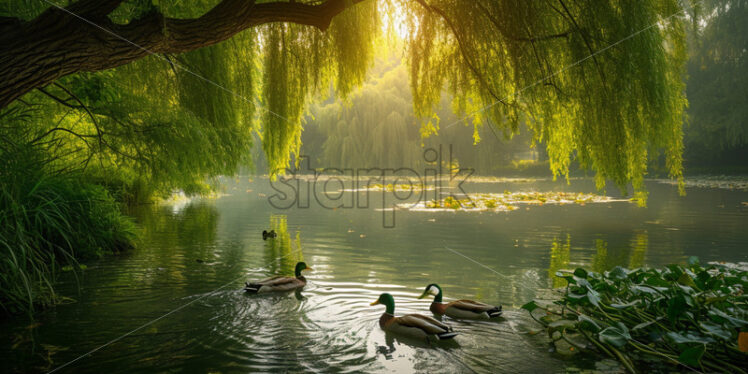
[[377, 128], [599, 82]]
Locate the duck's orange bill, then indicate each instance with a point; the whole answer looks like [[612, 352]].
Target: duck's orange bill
[[375, 303], [308, 268]]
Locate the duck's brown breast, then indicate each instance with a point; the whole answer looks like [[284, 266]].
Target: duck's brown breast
[[385, 319], [438, 308]]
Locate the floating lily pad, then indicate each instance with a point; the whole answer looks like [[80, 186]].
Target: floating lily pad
[[507, 201]]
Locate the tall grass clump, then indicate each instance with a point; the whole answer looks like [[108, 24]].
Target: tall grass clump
[[49, 219]]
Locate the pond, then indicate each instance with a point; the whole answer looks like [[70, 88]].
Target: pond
[[196, 254]]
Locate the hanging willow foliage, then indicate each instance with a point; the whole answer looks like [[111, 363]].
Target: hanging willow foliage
[[301, 62], [599, 82]]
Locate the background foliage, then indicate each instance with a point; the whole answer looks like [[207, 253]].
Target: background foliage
[[717, 131]]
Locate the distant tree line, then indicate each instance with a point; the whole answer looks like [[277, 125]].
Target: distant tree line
[[716, 132]]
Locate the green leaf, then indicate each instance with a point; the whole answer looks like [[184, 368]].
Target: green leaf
[[569, 278], [688, 338], [581, 273], [624, 306], [730, 281], [693, 260], [674, 271], [702, 278], [618, 273], [687, 290], [720, 316], [675, 307], [656, 281], [642, 325], [649, 289], [562, 323], [686, 280], [617, 336], [692, 356], [582, 282], [715, 330], [532, 305], [593, 297], [589, 321]]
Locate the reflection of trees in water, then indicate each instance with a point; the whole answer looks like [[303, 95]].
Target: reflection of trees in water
[[194, 225], [282, 253], [281, 317], [600, 259], [560, 257], [639, 246], [172, 237], [604, 258], [631, 256]]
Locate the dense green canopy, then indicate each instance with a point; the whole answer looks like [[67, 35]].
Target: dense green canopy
[[600, 82]]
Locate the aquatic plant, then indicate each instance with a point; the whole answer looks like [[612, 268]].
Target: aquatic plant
[[399, 187], [689, 315], [508, 201], [48, 221], [451, 203]]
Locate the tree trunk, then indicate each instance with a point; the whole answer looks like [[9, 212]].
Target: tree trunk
[[64, 41]]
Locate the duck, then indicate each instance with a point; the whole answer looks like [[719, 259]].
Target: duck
[[280, 283], [460, 309], [411, 325], [266, 234]]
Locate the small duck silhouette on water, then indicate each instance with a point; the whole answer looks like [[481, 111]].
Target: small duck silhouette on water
[[266, 234]]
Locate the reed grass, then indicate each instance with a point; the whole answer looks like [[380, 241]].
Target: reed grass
[[49, 220]]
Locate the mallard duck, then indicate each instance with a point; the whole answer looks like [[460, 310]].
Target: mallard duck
[[413, 325], [279, 283], [464, 309], [266, 234]]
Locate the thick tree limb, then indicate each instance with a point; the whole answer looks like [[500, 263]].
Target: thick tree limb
[[63, 41], [94, 8]]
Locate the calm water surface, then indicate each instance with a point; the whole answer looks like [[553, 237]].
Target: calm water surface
[[330, 327]]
